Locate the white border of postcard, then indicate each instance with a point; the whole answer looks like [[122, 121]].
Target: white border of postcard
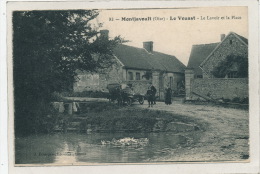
[[251, 167]]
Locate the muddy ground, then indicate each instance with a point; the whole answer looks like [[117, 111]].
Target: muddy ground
[[226, 136]]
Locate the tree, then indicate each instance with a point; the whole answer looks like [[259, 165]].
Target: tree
[[227, 66], [48, 49]]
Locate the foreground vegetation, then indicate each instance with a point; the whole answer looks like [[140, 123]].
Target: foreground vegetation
[[49, 48], [108, 117]]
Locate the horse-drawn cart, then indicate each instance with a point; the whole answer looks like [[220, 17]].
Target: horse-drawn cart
[[123, 94]]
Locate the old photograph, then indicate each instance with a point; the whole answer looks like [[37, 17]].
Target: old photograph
[[131, 86]]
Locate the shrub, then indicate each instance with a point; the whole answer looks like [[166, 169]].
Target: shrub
[[225, 66]]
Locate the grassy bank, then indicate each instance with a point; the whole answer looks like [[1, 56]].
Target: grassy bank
[[108, 117]]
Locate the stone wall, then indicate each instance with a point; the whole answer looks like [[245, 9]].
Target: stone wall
[[231, 45], [86, 82], [215, 88], [99, 81], [134, 71], [189, 77], [220, 88], [113, 75]]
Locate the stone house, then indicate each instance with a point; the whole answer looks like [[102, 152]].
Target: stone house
[[199, 77], [205, 57], [137, 67]]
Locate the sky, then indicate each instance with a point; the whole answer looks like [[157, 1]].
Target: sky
[[175, 37]]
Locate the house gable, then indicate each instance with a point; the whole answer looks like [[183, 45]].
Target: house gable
[[232, 44], [98, 81]]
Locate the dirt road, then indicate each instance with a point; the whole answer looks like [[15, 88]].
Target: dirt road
[[226, 137]]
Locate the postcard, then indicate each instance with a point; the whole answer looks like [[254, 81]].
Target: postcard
[[110, 85]]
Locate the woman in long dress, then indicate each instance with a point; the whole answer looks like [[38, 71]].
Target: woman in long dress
[[168, 96]]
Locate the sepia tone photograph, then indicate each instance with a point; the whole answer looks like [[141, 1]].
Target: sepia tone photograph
[[131, 86]]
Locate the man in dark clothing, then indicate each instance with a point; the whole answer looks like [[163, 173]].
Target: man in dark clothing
[[168, 96], [153, 89]]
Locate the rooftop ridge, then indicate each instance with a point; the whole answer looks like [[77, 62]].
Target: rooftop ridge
[[205, 44]]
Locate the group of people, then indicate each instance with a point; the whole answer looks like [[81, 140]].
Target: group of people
[[151, 96], [120, 93]]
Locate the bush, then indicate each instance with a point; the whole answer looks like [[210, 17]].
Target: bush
[[225, 66]]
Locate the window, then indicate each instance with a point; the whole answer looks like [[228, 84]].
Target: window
[[230, 42], [199, 76], [130, 76], [232, 74], [137, 76]]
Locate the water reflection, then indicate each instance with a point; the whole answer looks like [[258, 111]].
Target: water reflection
[[73, 148]]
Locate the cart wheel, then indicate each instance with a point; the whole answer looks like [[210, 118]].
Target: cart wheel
[[141, 100], [129, 102]]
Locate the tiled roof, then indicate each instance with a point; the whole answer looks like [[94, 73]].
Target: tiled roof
[[198, 54], [169, 63], [139, 58]]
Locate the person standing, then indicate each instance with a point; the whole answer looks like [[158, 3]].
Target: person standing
[[168, 96], [150, 97], [153, 89]]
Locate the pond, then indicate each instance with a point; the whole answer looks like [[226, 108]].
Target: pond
[[71, 148]]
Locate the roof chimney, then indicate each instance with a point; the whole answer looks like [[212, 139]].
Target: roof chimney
[[222, 37], [104, 33], [148, 46]]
